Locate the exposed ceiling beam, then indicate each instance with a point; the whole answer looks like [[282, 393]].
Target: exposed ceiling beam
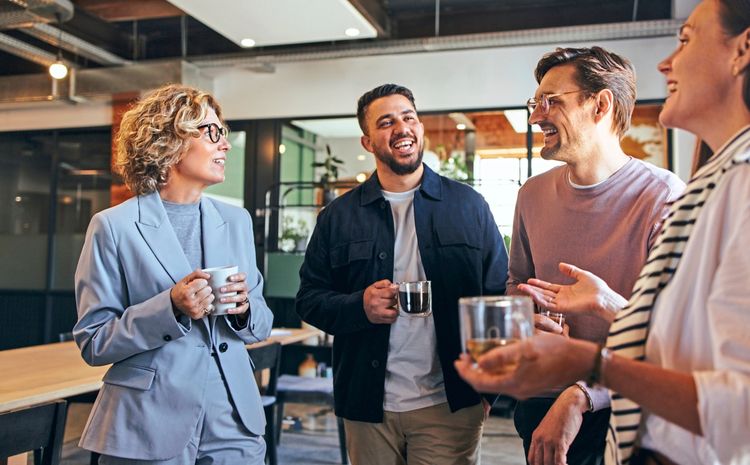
[[128, 10], [374, 12], [26, 51], [73, 44]]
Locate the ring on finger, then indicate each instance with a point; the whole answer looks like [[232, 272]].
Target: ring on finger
[[246, 301]]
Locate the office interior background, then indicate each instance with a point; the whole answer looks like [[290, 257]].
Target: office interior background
[[290, 100]]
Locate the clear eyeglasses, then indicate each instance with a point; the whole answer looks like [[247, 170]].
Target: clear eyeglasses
[[215, 131], [543, 101]]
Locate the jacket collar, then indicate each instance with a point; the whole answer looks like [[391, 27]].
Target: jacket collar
[[157, 231], [430, 187]]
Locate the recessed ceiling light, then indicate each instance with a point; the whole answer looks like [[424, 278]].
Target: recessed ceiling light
[[352, 32], [361, 177], [282, 149], [247, 43], [461, 126], [361, 157]]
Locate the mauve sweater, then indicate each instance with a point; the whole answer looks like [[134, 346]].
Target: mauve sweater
[[606, 229]]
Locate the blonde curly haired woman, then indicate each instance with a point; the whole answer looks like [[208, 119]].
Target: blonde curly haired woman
[[178, 390]]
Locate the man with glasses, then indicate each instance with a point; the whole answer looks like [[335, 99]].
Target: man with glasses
[[600, 211]]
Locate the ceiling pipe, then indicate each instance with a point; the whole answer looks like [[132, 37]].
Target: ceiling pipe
[[26, 51], [555, 35], [25, 13]]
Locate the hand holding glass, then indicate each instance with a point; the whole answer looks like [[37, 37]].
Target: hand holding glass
[[489, 322]]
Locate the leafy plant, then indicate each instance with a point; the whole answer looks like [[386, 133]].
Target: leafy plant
[[454, 168], [330, 167], [293, 231]]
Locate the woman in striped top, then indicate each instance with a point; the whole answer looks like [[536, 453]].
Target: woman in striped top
[[680, 349]]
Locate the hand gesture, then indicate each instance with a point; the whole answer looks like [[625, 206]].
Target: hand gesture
[[380, 302], [588, 295], [192, 295]]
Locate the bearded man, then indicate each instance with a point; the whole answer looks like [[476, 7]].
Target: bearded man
[[394, 381]]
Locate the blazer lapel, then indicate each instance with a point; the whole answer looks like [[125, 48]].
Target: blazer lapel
[[216, 245], [158, 233]]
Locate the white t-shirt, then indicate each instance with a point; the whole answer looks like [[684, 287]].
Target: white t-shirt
[[413, 375]]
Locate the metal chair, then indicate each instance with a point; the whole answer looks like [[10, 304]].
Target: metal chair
[[297, 389], [268, 357], [39, 429]]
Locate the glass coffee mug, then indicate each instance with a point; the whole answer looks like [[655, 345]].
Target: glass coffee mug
[[496, 321], [415, 298]]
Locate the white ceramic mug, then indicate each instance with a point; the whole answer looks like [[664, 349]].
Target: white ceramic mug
[[219, 278]]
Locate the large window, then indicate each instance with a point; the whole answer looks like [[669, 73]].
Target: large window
[[490, 150]]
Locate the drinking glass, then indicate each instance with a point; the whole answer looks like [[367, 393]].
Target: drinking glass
[[415, 298], [557, 317], [496, 321]]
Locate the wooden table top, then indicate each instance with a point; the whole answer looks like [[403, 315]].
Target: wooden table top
[[38, 374]]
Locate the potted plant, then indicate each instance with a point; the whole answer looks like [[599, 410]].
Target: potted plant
[[454, 168], [294, 234], [330, 174]]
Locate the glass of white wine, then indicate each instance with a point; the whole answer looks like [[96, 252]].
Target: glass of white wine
[[494, 321]]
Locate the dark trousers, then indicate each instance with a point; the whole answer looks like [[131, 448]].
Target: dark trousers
[[588, 446]]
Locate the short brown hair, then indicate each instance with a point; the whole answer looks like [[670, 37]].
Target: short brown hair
[[155, 133], [596, 70]]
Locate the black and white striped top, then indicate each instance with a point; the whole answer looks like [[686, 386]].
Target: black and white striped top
[[629, 331]]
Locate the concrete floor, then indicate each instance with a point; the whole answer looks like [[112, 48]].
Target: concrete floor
[[316, 442]]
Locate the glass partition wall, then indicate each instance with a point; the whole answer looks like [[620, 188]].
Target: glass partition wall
[[52, 183]]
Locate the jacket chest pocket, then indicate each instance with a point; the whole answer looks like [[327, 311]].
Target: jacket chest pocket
[[350, 252], [463, 237]]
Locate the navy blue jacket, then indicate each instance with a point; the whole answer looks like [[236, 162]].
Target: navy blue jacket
[[352, 247]]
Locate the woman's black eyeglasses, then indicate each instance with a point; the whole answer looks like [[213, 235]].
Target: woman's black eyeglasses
[[215, 131]]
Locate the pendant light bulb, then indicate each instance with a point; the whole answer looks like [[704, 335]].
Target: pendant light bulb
[[58, 70]]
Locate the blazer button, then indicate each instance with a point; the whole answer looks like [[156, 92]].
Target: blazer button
[[167, 337], [375, 364], [382, 205], [382, 255], [223, 347]]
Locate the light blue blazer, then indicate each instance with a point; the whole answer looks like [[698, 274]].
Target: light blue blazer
[[152, 395]]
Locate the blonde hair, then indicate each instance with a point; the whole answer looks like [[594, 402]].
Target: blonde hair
[[155, 133]]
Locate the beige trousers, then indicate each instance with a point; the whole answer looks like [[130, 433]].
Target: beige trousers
[[427, 436]]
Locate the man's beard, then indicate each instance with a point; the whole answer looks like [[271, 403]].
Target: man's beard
[[549, 153], [399, 168]]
